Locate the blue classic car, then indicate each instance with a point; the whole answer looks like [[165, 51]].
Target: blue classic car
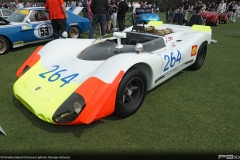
[[32, 25], [144, 15], [5, 13]]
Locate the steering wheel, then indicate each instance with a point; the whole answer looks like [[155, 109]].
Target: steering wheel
[[110, 40]]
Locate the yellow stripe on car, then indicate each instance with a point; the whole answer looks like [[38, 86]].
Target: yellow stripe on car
[[39, 95], [201, 28]]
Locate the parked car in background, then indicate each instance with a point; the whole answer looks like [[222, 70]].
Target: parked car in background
[[32, 25], [214, 18], [5, 13]]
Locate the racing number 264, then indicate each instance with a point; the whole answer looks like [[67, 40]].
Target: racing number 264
[[55, 76], [172, 60]]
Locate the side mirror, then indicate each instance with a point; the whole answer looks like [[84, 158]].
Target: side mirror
[[139, 47], [64, 34], [28, 20]]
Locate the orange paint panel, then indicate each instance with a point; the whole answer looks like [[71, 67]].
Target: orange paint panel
[[33, 59], [99, 97], [88, 88], [194, 50]]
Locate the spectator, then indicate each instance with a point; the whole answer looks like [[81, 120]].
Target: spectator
[[157, 9], [90, 14], [145, 5], [198, 7], [186, 8], [73, 4], [114, 15], [129, 6], [122, 9], [18, 4], [212, 6], [221, 7], [136, 5], [84, 10], [232, 11], [238, 10], [108, 18], [169, 15], [57, 15], [98, 9], [80, 3]]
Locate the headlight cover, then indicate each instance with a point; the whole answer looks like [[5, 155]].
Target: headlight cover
[[70, 109]]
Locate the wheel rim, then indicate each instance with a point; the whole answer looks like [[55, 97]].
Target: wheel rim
[[132, 93], [3, 46], [202, 55], [74, 32]]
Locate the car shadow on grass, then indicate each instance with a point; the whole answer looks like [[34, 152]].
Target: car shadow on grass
[[77, 130], [116, 118]]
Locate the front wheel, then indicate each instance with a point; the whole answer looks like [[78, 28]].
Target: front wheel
[[201, 55], [131, 93], [4, 45], [74, 32]]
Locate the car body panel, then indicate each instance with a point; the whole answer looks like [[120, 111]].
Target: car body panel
[[150, 17], [53, 76], [39, 28], [214, 17], [145, 15]]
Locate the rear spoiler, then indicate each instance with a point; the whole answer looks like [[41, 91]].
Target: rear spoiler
[[74, 10]]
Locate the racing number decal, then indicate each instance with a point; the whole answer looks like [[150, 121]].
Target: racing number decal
[[172, 59], [55, 76], [43, 31]]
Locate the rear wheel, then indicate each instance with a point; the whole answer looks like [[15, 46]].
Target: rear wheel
[[131, 93], [4, 45], [201, 55], [74, 32]]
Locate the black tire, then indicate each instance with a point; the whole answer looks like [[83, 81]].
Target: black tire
[[74, 32], [131, 93], [4, 45], [201, 55]]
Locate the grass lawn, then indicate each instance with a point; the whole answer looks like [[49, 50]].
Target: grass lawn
[[195, 112]]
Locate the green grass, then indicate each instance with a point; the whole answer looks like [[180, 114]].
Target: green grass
[[195, 112]]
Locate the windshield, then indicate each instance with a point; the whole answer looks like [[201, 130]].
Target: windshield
[[104, 48], [103, 38], [18, 15]]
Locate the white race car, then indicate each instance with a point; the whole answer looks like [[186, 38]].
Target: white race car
[[77, 81]]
